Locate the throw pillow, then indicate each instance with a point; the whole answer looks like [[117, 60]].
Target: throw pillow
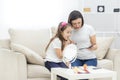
[[103, 44], [32, 57], [53, 31], [35, 39], [4, 43]]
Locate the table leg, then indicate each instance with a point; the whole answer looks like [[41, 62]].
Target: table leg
[[71, 79], [53, 76], [114, 77]]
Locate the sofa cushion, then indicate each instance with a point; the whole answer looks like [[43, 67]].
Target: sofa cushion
[[53, 30], [32, 57], [38, 79], [103, 44], [5, 43], [37, 71], [105, 63], [33, 39]]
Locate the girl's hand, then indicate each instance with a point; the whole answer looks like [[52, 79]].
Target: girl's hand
[[68, 42], [68, 64]]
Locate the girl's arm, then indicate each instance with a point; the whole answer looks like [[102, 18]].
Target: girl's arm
[[93, 43], [59, 53]]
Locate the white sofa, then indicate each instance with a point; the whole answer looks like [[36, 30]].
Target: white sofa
[[19, 62]]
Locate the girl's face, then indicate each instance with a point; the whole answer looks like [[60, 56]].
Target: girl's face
[[77, 23], [67, 33]]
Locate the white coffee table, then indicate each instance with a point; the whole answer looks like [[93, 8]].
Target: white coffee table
[[94, 73]]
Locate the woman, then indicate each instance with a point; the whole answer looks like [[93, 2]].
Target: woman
[[84, 37]]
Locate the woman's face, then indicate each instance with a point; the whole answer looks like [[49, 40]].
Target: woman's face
[[67, 33], [77, 23]]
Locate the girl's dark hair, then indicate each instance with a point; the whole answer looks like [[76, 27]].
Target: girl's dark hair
[[61, 27], [75, 15]]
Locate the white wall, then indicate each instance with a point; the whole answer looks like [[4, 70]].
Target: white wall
[[106, 24], [34, 13], [109, 5]]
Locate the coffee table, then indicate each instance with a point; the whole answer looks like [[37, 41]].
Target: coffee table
[[93, 73]]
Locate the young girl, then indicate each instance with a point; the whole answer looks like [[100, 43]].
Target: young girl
[[56, 46]]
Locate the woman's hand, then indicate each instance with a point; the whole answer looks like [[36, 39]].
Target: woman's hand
[[93, 47], [93, 43]]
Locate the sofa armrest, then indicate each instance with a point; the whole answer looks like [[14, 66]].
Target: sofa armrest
[[114, 55], [13, 65]]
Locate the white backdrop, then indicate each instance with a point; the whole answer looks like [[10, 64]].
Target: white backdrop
[[34, 13]]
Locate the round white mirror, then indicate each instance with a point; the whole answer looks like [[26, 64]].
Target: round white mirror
[[70, 53]]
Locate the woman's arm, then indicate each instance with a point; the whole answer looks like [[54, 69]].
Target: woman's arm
[[93, 43]]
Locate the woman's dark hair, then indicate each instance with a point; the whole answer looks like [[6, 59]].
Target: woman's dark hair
[[61, 27], [75, 15]]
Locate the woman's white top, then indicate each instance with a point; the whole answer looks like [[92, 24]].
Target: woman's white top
[[81, 37], [51, 55]]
